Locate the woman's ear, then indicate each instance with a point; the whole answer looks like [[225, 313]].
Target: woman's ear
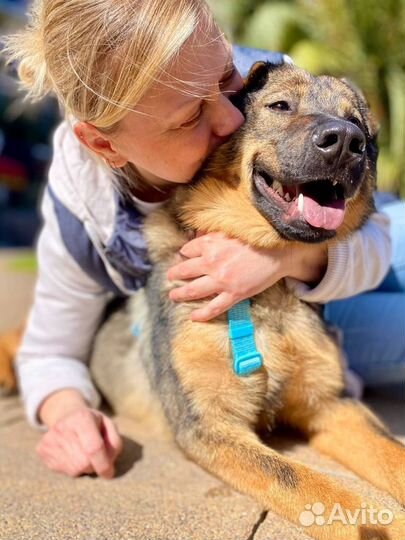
[[99, 143]]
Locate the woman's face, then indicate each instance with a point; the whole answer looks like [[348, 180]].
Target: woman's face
[[185, 116]]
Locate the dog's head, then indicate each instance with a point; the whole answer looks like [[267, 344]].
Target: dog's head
[[309, 151], [301, 168]]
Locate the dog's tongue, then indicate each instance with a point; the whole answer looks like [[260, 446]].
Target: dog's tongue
[[324, 217]]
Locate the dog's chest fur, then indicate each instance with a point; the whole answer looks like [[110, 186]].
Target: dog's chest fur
[[190, 364]]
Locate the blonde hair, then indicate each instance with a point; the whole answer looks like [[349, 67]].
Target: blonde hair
[[99, 57]]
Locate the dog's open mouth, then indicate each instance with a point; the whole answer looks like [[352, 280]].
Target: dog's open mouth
[[320, 203]]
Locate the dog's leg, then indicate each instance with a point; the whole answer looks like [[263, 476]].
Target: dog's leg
[[349, 432], [213, 418], [237, 456]]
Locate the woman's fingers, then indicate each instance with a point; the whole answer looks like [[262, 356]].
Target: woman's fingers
[[50, 453], [189, 269], [63, 454], [74, 460], [92, 443], [196, 247], [198, 288], [220, 304], [111, 438]]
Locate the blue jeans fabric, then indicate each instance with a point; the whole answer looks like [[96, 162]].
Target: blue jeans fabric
[[373, 323]]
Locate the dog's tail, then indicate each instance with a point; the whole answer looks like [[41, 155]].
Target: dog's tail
[[9, 345]]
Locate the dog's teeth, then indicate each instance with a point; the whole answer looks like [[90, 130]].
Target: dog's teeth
[[278, 188], [334, 183], [287, 197], [301, 203]]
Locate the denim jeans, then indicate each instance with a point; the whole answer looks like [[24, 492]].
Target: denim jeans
[[373, 323]]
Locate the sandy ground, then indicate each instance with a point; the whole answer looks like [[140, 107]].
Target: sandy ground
[[157, 493]]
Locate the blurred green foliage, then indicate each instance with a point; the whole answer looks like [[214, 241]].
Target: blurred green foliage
[[26, 263], [363, 40]]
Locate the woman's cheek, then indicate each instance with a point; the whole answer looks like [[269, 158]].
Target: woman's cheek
[[188, 152], [200, 141]]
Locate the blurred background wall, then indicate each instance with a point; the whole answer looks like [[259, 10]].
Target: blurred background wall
[[363, 40], [25, 149]]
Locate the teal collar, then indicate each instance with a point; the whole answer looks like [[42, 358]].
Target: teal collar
[[246, 358]]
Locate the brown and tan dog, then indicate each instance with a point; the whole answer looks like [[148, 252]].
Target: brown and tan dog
[[301, 169]]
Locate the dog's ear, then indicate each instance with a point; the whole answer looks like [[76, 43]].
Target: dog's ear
[[255, 81], [369, 120], [257, 76], [364, 108]]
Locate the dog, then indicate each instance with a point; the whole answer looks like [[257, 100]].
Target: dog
[[301, 169]]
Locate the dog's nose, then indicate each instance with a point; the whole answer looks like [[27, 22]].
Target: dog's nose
[[339, 141]]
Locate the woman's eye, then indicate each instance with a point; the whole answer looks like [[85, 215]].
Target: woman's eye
[[193, 120], [279, 106]]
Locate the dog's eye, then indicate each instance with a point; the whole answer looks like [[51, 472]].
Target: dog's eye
[[279, 106], [354, 120]]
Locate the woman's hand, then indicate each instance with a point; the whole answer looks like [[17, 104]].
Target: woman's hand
[[82, 441], [230, 271]]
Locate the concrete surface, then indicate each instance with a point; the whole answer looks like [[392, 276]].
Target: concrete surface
[[157, 493]]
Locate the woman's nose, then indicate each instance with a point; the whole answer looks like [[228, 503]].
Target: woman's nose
[[226, 118]]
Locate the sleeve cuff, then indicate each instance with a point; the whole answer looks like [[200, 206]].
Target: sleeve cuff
[[325, 291], [38, 379]]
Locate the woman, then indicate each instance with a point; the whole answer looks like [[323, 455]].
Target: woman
[[145, 87]]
